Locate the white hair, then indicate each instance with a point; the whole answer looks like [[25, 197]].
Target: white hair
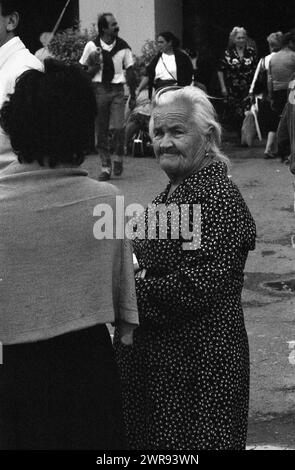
[[203, 114], [233, 34]]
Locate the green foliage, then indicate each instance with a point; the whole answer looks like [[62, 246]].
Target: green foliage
[[68, 45], [148, 51]]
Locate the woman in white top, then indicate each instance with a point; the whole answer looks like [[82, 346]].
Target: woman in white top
[[171, 66], [259, 87]]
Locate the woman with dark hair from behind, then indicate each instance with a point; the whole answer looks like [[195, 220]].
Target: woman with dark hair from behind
[[60, 281], [171, 66]]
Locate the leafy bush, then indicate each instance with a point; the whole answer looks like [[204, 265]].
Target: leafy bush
[[68, 45], [148, 51]]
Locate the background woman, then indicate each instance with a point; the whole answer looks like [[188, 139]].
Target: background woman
[[281, 71], [60, 284], [171, 66], [186, 379], [235, 74], [259, 87]]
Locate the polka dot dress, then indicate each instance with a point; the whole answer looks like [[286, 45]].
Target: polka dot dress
[[186, 378]]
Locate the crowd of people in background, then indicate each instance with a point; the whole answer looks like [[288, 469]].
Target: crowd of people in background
[[177, 375], [243, 80]]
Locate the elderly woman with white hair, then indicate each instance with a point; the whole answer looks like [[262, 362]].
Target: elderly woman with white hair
[[235, 73], [186, 378]]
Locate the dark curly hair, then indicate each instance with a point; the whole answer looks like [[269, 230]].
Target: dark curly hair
[[170, 37], [49, 116]]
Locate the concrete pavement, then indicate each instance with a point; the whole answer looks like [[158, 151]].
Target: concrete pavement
[[267, 186]]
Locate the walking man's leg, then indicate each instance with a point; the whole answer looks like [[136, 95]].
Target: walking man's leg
[[117, 118], [103, 101]]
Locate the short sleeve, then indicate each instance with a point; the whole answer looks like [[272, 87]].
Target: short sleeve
[[124, 295], [128, 59], [128, 304]]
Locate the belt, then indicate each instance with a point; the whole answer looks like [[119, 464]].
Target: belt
[[109, 85]]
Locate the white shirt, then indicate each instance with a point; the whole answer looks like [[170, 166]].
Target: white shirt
[[122, 60], [15, 59], [161, 72]]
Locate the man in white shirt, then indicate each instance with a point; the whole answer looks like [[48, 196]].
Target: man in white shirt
[[14, 60], [106, 58]]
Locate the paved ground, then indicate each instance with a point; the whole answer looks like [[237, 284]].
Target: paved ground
[[270, 314]]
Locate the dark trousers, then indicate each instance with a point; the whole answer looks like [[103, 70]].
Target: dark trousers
[[279, 99], [110, 102], [61, 393]]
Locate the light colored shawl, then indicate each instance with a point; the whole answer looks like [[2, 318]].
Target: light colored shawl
[[55, 277]]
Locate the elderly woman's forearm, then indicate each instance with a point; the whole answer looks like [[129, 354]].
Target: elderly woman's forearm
[[143, 84], [221, 80], [181, 295]]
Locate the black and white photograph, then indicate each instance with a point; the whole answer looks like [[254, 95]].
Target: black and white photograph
[[147, 228]]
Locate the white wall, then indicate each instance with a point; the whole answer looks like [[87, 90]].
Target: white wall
[[136, 18]]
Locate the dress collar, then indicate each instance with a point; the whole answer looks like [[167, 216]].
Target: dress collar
[[215, 170], [18, 170]]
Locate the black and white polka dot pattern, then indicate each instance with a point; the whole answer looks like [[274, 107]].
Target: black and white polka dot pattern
[[186, 378]]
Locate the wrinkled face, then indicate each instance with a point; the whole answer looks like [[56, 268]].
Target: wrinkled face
[[240, 40], [178, 145], [163, 45], [113, 28]]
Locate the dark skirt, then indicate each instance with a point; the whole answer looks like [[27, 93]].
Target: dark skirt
[[267, 118], [279, 99], [185, 386], [61, 393]]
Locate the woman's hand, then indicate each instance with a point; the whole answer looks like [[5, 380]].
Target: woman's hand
[[126, 333], [140, 274], [95, 58]]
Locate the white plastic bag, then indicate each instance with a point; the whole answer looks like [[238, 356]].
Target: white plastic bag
[[248, 132], [250, 127]]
